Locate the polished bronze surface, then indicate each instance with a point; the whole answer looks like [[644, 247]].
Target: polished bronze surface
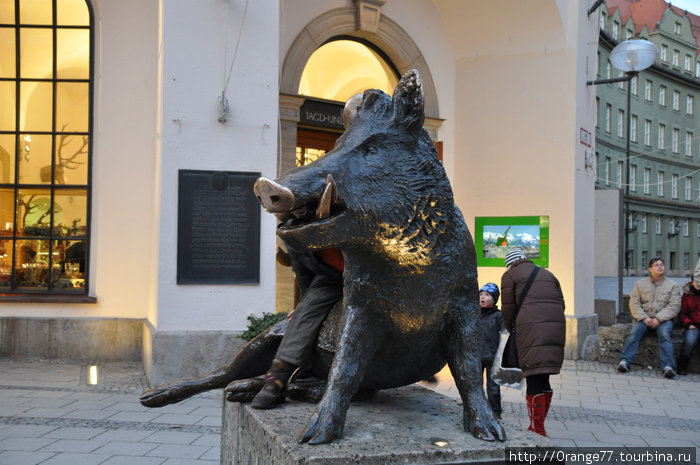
[[410, 296]]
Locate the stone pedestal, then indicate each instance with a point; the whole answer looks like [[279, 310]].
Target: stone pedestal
[[578, 327], [396, 426]]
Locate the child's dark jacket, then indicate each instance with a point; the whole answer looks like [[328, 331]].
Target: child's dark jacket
[[491, 323]]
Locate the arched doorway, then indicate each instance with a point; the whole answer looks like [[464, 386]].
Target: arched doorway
[[346, 56], [337, 70]]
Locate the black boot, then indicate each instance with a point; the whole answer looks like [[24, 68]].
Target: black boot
[[683, 363], [274, 391]]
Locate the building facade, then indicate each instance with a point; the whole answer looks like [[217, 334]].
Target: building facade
[[662, 189], [130, 97]]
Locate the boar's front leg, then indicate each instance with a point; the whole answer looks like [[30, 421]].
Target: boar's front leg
[[461, 345], [357, 345]]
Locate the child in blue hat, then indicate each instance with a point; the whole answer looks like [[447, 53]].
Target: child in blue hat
[[491, 323]]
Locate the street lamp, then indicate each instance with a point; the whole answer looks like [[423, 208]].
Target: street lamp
[[631, 57]]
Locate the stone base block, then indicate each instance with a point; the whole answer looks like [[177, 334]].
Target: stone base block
[[400, 426], [578, 327], [605, 309], [88, 339], [171, 355]]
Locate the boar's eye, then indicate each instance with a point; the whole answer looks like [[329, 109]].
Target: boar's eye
[[369, 149]]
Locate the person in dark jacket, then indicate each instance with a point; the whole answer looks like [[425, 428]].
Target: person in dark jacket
[[540, 330], [690, 319], [491, 323], [320, 284]]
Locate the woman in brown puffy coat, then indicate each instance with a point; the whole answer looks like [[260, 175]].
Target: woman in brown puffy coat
[[540, 329]]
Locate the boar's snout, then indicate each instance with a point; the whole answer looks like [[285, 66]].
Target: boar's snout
[[274, 197]]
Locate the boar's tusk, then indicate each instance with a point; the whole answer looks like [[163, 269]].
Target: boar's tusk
[[329, 197]]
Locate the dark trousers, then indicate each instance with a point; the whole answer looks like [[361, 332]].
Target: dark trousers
[[537, 384], [306, 321], [493, 390]]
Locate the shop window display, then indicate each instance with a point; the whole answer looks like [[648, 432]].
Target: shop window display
[[45, 145]]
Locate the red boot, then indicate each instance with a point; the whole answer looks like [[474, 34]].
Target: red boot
[[547, 401], [536, 409]]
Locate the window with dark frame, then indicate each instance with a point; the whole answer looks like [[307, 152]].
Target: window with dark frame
[[46, 65]]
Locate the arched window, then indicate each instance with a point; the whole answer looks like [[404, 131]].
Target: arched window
[[342, 67], [337, 70], [45, 145]]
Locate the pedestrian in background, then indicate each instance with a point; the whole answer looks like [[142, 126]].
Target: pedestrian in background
[[690, 319], [537, 314], [491, 323], [654, 303]]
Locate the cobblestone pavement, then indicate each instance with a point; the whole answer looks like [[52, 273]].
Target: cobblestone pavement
[[593, 406], [50, 415]]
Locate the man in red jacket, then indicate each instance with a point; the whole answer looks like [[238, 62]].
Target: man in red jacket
[[690, 319]]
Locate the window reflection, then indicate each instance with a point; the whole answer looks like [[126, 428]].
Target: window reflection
[[45, 147], [35, 12], [307, 155], [5, 263], [32, 264], [7, 53], [69, 265]]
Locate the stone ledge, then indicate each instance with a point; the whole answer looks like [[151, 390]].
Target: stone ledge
[[396, 426], [612, 339]]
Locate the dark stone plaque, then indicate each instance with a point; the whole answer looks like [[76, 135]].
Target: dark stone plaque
[[218, 236]]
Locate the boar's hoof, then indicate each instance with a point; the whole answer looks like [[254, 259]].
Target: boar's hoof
[[322, 427], [485, 427], [243, 390], [168, 393]]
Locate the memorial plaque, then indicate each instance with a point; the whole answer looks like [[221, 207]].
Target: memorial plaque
[[218, 237]]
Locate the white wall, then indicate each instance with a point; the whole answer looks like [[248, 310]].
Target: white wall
[[607, 231], [519, 106], [199, 39]]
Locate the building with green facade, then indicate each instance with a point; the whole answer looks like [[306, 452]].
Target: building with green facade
[[662, 198]]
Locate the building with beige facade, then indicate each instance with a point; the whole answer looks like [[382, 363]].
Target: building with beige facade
[[115, 103]]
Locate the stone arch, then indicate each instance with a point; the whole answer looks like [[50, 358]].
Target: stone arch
[[389, 37]]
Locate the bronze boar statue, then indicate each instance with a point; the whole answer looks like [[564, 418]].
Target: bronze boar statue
[[410, 292]]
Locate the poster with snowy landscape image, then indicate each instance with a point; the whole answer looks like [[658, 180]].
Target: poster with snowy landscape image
[[495, 235]]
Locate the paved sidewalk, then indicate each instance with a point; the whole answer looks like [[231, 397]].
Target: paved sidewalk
[[49, 415], [594, 405]]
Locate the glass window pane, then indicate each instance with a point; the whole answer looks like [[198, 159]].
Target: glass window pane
[[5, 264], [68, 271], [72, 105], [35, 12], [34, 212], [32, 264], [71, 213], [7, 52], [73, 53], [7, 158], [7, 214], [7, 12], [36, 53], [72, 13], [8, 102], [71, 159], [34, 159], [35, 106]]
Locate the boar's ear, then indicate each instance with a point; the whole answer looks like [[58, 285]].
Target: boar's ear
[[350, 109], [408, 102]]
